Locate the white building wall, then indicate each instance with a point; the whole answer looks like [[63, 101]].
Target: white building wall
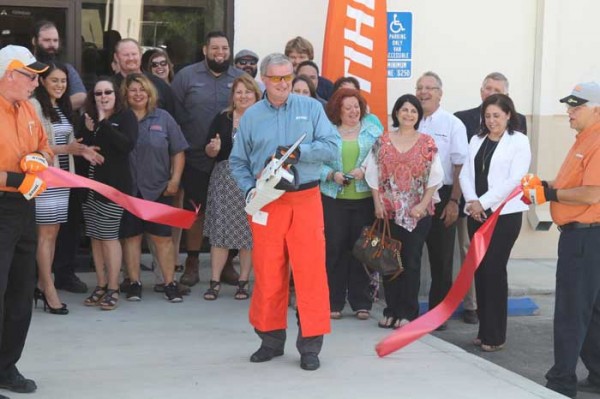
[[457, 44]]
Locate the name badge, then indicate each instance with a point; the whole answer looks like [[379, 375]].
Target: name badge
[[260, 217]]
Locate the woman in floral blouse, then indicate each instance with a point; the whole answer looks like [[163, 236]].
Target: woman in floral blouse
[[404, 173]]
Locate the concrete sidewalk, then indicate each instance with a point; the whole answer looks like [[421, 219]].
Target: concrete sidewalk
[[155, 349], [531, 276]]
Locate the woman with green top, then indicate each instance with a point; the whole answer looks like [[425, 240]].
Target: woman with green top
[[347, 202]]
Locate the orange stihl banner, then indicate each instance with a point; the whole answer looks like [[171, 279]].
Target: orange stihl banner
[[356, 45]]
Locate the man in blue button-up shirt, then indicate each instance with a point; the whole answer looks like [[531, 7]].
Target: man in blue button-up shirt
[[288, 231]]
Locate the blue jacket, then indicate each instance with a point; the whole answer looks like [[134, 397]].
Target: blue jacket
[[369, 132]]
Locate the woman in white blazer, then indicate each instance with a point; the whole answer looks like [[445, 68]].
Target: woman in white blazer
[[498, 157]]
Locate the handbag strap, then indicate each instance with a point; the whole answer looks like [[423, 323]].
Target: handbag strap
[[386, 227], [376, 226]]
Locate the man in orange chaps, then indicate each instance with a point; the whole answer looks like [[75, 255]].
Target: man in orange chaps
[[289, 230], [293, 235]]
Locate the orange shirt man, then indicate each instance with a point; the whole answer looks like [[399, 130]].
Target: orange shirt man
[[575, 208], [23, 152]]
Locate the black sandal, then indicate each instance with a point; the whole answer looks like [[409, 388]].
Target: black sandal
[[96, 296], [242, 291], [212, 292], [110, 300]]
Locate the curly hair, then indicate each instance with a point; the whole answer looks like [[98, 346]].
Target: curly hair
[[334, 105]]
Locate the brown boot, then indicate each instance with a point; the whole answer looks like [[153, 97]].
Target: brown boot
[[190, 275], [229, 275]]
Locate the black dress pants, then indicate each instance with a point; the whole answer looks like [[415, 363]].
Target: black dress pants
[[344, 220], [491, 283], [275, 339], [577, 309], [17, 275], [440, 247], [402, 293]]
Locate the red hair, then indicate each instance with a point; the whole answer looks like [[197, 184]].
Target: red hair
[[334, 105]]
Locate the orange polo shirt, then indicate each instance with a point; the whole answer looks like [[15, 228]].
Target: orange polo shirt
[[21, 133], [580, 168]]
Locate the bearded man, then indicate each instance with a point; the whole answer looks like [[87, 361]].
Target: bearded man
[[201, 91]]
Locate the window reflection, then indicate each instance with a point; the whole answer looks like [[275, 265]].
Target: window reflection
[[176, 26]]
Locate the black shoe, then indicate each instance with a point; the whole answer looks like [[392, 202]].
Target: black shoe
[[587, 386], [309, 361], [172, 293], [562, 391], [14, 381], [134, 291], [182, 288], [39, 294], [70, 283], [470, 317], [443, 327], [124, 286], [264, 354]]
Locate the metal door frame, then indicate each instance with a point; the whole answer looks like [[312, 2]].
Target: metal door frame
[[72, 29]]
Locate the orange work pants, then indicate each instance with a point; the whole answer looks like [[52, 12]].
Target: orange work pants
[[293, 234]]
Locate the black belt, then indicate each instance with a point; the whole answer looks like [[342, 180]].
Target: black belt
[[577, 225], [306, 186], [10, 194]]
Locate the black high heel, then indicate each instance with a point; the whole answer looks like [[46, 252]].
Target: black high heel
[[39, 294]]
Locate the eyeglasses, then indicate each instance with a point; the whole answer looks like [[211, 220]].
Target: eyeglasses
[[156, 64], [277, 79], [246, 62], [105, 92], [31, 77], [427, 88]]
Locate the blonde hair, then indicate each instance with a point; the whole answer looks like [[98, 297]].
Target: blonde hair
[[250, 84], [146, 84]]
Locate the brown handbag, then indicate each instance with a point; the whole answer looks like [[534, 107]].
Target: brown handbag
[[378, 251]]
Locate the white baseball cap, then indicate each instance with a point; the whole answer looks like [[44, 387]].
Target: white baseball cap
[[583, 93], [16, 57]]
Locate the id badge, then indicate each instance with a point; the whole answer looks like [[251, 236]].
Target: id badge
[[260, 217]]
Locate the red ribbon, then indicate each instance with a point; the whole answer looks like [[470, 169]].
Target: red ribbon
[[146, 210], [431, 320]]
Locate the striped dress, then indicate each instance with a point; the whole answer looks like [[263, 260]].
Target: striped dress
[[52, 206], [102, 217]]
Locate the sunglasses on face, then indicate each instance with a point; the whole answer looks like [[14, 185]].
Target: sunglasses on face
[[31, 77], [105, 92], [277, 79], [156, 64], [246, 62]]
